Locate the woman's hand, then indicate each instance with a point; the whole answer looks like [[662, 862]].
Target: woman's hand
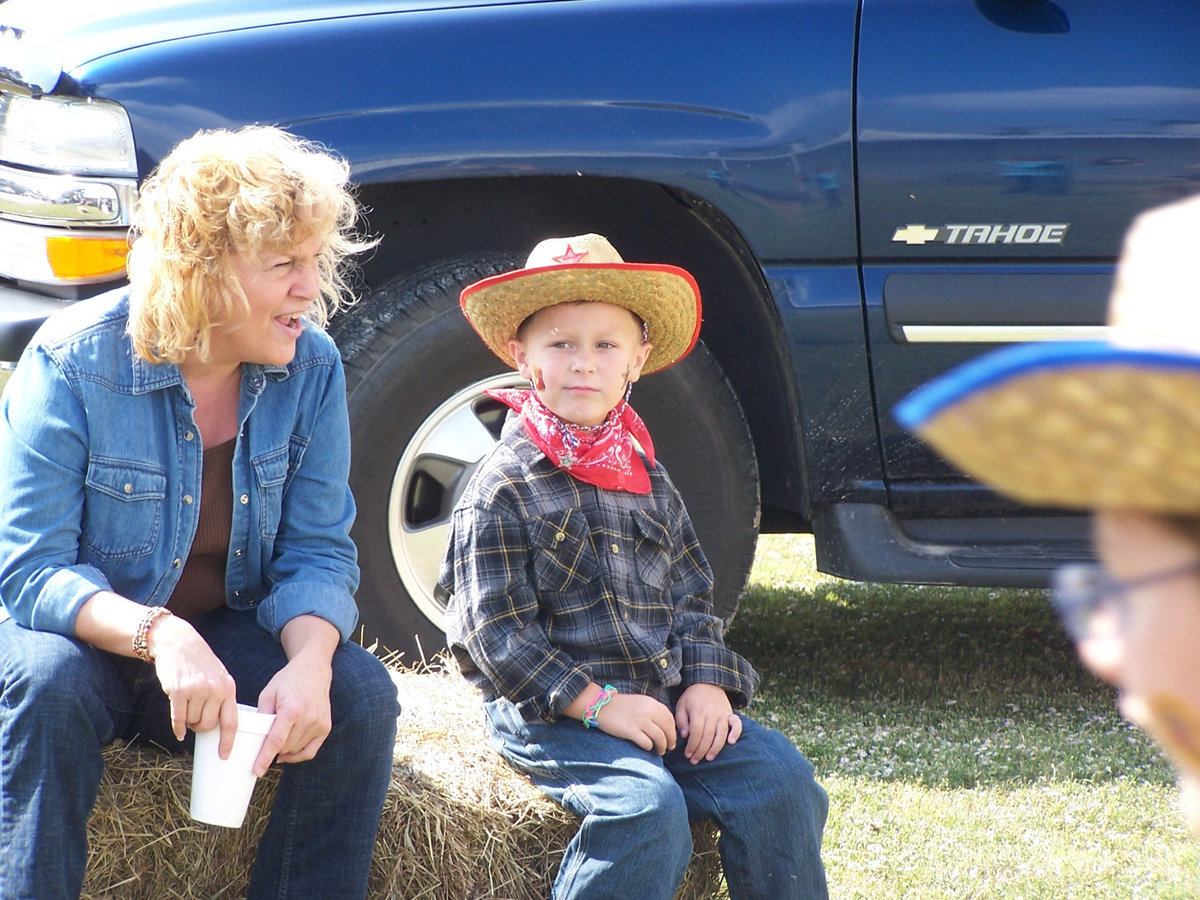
[[202, 693], [298, 695]]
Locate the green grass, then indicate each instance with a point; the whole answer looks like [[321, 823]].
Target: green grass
[[966, 752]]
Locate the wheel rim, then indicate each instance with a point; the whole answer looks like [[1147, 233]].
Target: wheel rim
[[431, 475]]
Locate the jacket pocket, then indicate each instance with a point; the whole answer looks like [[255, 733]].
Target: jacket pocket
[[654, 549], [562, 551], [270, 475], [122, 507]]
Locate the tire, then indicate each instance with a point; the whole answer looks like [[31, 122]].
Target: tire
[[416, 373]]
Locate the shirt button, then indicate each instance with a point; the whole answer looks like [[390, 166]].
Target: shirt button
[[189, 435], [237, 553], [128, 488], [662, 663], [187, 499], [244, 499], [176, 563], [560, 536], [616, 548]]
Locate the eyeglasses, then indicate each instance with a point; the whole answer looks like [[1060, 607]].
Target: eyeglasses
[[1080, 591]]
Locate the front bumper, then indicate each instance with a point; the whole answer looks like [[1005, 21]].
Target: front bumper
[[20, 315]]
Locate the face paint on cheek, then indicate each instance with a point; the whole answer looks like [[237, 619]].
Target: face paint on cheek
[[538, 381]]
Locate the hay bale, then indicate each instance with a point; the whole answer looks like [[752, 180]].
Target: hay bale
[[457, 824], [143, 843]]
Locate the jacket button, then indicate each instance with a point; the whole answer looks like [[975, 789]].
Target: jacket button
[[189, 435], [128, 488], [616, 548], [187, 499], [237, 553], [176, 563], [662, 663], [244, 499]]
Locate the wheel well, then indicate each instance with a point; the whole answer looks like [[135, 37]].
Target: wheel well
[[424, 221]]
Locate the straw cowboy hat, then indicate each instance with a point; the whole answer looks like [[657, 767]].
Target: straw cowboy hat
[[587, 267], [1094, 425]]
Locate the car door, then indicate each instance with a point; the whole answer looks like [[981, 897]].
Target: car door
[[1003, 147]]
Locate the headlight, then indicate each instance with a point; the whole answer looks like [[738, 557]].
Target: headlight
[[68, 179], [67, 134]]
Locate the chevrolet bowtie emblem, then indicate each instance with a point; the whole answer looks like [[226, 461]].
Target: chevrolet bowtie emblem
[[984, 233], [915, 234]]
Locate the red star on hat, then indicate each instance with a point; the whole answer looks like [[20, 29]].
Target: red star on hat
[[571, 256]]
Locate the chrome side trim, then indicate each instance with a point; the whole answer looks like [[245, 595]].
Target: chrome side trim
[[1000, 334], [72, 200]]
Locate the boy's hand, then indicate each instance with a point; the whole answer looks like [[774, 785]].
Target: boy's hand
[[706, 718], [640, 719], [634, 717]]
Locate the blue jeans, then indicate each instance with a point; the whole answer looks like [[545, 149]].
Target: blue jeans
[[634, 840], [61, 701]]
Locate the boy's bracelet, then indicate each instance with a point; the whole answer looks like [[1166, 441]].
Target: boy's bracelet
[[589, 715]]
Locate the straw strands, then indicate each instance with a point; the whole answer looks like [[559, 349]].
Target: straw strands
[[458, 823]]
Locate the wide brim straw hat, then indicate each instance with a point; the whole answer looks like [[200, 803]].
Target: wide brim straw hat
[[1095, 425], [588, 268]]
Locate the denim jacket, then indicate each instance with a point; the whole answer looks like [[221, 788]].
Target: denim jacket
[[100, 465]]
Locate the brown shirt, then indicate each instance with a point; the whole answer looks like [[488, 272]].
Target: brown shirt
[[202, 585]]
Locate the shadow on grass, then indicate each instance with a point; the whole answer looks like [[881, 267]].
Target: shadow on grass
[[942, 686], [856, 640]]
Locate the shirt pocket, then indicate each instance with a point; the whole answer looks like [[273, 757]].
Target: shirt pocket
[[562, 552], [123, 504], [652, 551], [270, 476]]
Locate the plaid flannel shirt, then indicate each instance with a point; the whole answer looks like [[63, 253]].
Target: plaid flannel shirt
[[554, 582]]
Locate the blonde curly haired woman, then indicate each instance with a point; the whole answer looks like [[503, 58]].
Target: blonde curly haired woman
[[174, 523]]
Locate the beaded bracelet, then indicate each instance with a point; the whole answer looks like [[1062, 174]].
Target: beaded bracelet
[[141, 637], [589, 715]]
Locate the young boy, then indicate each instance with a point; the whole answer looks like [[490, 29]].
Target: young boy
[[580, 598]]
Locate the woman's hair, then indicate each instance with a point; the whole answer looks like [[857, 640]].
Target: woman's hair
[[254, 191]]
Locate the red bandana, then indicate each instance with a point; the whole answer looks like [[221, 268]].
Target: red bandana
[[603, 456]]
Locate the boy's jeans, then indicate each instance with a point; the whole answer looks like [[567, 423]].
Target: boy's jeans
[[635, 842], [61, 701]]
